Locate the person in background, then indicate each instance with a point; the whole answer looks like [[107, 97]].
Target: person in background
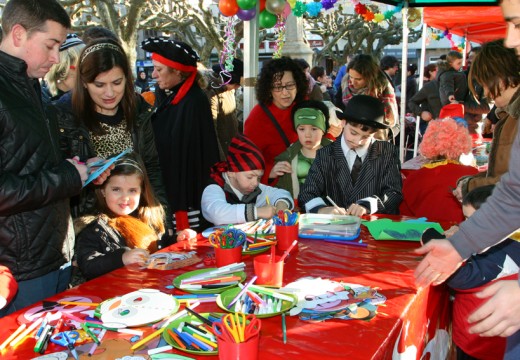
[[141, 83], [220, 90], [365, 78], [389, 65], [500, 313], [314, 91], [359, 173], [411, 84], [427, 191], [342, 71], [36, 181], [322, 80], [237, 195], [184, 133], [129, 224], [453, 85], [500, 262], [426, 103], [104, 116], [430, 73], [98, 32], [311, 121], [61, 78], [280, 84]]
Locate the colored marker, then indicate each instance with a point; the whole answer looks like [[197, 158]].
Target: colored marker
[[90, 333], [13, 335]]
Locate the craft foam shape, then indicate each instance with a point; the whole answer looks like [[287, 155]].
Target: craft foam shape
[[137, 308]]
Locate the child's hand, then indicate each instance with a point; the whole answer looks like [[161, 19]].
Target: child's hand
[[426, 116], [281, 205], [135, 256], [332, 210], [188, 238], [356, 210], [452, 100], [280, 168], [265, 212]]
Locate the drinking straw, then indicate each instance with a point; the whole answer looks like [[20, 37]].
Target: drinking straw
[[288, 250], [249, 283]]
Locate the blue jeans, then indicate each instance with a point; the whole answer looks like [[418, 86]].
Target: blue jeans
[[37, 289]]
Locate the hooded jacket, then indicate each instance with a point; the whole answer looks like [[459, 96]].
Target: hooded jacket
[[36, 182]]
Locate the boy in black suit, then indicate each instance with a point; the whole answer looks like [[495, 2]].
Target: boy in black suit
[[359, 173]]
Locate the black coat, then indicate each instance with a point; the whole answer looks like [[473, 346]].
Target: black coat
[[187, 147], [75, 141], [36, 234]]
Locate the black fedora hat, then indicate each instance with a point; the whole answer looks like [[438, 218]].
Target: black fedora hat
[[365, 110]]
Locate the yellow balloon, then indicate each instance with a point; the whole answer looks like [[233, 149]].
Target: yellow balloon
[[292, 3]]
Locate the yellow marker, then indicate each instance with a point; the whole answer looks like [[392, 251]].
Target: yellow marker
[[148, 338], [204, 340], [267, 200]]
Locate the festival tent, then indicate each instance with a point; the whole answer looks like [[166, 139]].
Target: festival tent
[[477, 23]]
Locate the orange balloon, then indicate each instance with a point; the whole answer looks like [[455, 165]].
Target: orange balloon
[[228, 7], [262, 5]]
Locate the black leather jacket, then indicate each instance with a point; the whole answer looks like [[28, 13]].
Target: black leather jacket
[[75, 141], [36, 234]]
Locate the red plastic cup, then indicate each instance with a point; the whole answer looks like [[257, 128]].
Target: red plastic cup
[[267, 272], [285, 235], [230, 350], [225, 256]]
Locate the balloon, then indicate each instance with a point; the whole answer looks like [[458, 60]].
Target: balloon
[[275, 6], [246, 4], [266, 19], [262, 5], [287, 10], [228, 7], [246, 15]]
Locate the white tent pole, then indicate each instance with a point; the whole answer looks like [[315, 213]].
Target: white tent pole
[[421, 81], [251, 63], [404, 67]]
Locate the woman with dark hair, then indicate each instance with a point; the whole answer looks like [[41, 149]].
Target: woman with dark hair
[[105, 116], [183, 126], [366, 78], [280, 84]]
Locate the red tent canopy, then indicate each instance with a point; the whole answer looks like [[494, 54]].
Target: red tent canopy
[[477, 23]]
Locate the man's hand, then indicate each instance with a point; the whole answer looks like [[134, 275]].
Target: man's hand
[[500, 315], [440, 262]]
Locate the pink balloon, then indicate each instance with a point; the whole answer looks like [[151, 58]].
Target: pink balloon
[[287, 10]]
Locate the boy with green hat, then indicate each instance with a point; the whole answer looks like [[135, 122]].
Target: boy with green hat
[[311, 122]]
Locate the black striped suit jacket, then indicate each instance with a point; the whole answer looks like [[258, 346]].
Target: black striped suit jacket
[[380, 177]]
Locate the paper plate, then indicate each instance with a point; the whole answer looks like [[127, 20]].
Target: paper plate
[[206, 233], [178, 279], [227, 296], [174, 324]]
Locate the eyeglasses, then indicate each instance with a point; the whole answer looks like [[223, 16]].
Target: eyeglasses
[[279, 88]]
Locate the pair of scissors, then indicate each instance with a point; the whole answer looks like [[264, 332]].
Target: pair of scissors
[[215, 239], [234, 238], [237, 327], [67, 340]]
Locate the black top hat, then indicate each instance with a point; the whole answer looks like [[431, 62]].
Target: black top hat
[[236, 73], [365, 110], [172, 50]]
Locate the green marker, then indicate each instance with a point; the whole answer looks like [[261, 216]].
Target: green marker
[[42, 339], [90, 333]]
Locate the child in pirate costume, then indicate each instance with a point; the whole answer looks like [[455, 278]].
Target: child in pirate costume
[[237, 195]]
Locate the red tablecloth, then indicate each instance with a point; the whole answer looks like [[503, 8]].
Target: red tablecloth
[[410, 324]]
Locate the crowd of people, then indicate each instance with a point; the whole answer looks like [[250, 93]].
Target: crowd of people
[[315, 143]]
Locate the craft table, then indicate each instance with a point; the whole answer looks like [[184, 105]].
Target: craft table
[[409, 325]]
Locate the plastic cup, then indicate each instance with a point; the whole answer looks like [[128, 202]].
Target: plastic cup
[[269, 273], [225, 256], [285, 235], [230, 350]]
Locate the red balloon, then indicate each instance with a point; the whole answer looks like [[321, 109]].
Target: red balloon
[[228, 7], [262, 5]]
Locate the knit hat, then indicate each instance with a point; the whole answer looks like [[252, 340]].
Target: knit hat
[[244, 155], [311, 112], [70, 41], [174, 54]]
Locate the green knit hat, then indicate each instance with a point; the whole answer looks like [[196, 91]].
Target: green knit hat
[[310, 116]]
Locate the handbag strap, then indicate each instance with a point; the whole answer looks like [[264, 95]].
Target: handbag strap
[[276, 125]]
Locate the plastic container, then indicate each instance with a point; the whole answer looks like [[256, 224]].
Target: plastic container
[[225, 256], [269, 273], [285, 235], [230, 350], [328, 226]]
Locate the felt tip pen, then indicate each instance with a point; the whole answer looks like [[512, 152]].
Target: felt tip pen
[[43, 337], [90, 333], [13, 335]]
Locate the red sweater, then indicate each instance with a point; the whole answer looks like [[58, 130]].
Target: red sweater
[[428, 192], [259, 128]]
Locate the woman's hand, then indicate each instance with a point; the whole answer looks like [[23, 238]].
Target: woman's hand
[[279, 169], [135, 256]]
